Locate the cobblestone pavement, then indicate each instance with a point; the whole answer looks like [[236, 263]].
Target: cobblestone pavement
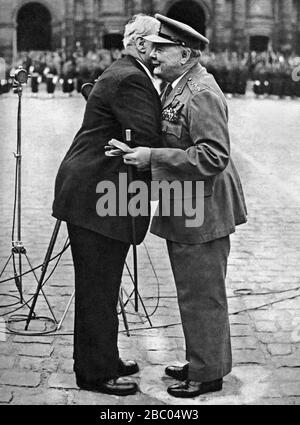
[[263, 273]]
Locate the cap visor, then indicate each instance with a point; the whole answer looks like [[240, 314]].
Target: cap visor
[[204, 39], [157, 39]]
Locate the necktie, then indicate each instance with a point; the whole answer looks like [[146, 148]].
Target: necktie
[[165, 93]]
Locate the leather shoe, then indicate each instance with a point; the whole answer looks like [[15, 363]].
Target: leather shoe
[[180, 373], [116, 386], [126, 368], [190, 389]]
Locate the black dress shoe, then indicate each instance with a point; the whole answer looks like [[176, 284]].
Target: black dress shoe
[[115, 386], [180, 373], [126, 368], [190, 389]]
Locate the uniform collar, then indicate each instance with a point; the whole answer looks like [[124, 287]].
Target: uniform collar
[[183, 79], [175, 82]]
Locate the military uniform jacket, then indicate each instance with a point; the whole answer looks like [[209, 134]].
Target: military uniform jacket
[[123, 98], [197, 148]]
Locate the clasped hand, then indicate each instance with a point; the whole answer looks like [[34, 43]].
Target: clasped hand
[[139, 157]]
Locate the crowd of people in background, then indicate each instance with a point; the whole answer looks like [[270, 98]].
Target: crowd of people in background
[[267, 73], [54, 69]]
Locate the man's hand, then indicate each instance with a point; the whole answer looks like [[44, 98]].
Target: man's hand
[[140, 158], [116, 148]]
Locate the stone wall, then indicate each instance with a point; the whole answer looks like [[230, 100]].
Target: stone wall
[[229, 23], [8, 23]]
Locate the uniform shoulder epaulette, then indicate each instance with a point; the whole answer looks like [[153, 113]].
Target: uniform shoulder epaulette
[[195, 86]]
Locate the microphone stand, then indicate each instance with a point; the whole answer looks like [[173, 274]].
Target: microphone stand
[[134, 249], [18, 249]]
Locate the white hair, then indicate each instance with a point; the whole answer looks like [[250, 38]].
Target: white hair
[[139, 26]]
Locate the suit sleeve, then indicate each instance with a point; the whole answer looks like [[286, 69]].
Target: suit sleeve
[[210, 150], [136, 108]]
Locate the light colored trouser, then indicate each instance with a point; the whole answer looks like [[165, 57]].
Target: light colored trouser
[[199, 272]]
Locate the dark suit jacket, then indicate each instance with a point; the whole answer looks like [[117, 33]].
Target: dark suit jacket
[[197, 148], [123, 98]]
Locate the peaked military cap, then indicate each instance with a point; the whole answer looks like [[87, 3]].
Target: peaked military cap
[[175, 32]]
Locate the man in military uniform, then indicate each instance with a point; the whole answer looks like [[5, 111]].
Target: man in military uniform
[[196, 147]]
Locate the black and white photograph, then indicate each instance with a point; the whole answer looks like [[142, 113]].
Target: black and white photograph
[[149, 205]]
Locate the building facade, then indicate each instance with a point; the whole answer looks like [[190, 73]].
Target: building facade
[[233, 24]]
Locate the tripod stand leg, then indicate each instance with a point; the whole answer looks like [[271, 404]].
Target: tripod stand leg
[[135, 274], [66, 311], [36, 278], [130, 301], [44, 270], [135, 269], [136, 292], [5, 265], [124, 314], [20, 278], [143, 305], [18, 273], [16, 276]]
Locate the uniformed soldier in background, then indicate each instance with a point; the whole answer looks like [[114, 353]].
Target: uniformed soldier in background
[[51, 75], [35, 79], [68, 76], [261, 82], [273, 77], [242, 77]]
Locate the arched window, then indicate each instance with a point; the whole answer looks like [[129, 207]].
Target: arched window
[[34, 27]]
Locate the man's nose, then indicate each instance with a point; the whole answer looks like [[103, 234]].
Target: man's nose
[[153, 54]]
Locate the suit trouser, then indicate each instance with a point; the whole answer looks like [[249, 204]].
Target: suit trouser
[[98, 263], [199, 272]]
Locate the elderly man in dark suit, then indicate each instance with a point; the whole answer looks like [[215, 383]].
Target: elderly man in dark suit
[[124, 97], [196, 147]]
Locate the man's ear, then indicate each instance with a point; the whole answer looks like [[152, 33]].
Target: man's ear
[[185, 56], [140, 44]]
